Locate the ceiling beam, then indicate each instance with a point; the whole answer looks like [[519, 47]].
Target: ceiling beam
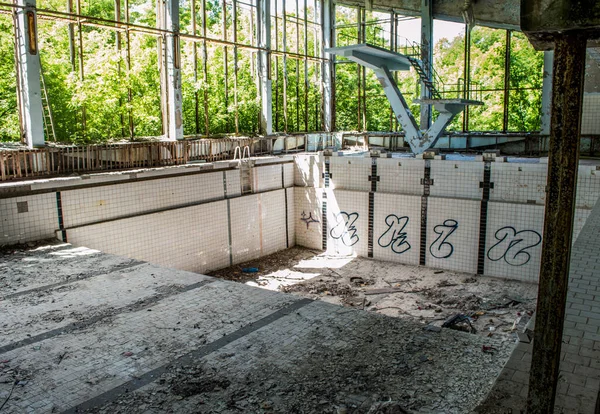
[[489, 13]]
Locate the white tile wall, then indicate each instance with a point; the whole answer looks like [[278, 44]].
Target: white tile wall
[[581, 215], [588, 186], [271, 207], [401, 176], [192, 238], [350, 173], [397, 228], [457, 179], [245, 228], [308, 170], [452, 234], [267, 177], [234, 187], [307, 219], [518, 182], [288, 174], [291, 223], [513, 241], [347, 222], [589, 116], [88, 205], [37, 223]]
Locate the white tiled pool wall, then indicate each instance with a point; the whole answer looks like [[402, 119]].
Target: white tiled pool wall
[[196, 220], [500, 236]]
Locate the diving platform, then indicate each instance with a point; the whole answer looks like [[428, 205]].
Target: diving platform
[[383, 62]]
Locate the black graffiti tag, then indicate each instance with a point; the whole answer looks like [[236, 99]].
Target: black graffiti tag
[[441, 248], [512, 245], [308, 219], [395, 236], [344, 228]]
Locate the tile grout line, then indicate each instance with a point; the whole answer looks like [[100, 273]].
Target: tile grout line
[[189, 358], [117, 268], [486, 185], [150, 301]]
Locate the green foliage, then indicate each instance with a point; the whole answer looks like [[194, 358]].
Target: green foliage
[[487, 76], [113, 91], [9, 114]]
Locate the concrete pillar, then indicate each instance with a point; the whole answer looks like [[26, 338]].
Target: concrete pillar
[[547, 92], [563, 160], [264, 66], [426, 58], [28, 77], [327, 25], [171, 67]]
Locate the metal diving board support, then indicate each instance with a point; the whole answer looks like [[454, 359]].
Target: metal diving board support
[[383, 62]]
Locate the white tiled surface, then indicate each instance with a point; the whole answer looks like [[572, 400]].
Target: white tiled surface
[[350, 173], [291, 219], [245, 228], [452, 234], [520, 226], [288, 174], [308, 217], [308, 170], [347, 222], [581, 215], [233, 183], [88, 205], [590, 124], [39, 222], [271, 207], [588, 186], [191, 238], [257, 225], [518, 182], [397, 228], [268, 177], [401, 176], [458, 179]]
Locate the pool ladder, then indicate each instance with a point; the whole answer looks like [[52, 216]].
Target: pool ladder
[[245, 168]]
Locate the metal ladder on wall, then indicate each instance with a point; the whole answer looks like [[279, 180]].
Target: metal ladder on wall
[[245, 168], [46, 109]]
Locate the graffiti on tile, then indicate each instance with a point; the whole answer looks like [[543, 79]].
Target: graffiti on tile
[[441, 248], [395, 236], [344, 228], [308, 219], [514, 247]]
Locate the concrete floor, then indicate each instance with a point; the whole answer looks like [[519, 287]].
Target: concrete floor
[[86, 331]]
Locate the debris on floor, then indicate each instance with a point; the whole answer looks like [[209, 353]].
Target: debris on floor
[[487, 306]]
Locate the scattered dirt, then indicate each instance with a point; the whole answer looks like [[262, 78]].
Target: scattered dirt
[[491, 306]]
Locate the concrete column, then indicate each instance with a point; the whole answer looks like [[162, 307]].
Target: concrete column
[[28, 77], [426, 58], [547, 92], [563, 160], [327, 72], [172, 98], [264, 66]]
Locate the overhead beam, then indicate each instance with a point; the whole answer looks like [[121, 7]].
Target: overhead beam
[[28, 77], [490, 13]]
